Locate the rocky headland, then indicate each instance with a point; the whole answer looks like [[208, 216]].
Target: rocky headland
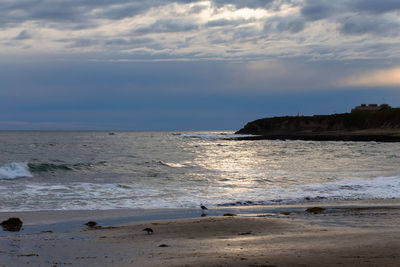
[[364, 123]]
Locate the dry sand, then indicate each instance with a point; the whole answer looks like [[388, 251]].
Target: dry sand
[[346, 236]]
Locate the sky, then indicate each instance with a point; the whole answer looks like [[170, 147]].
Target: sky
[[192, 65]]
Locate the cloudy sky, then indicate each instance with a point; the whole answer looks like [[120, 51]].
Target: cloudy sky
[[192, 65]]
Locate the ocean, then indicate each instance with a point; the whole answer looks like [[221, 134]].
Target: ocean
[[64, 170]]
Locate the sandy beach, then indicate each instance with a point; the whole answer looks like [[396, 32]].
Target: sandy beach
[[357, 234]]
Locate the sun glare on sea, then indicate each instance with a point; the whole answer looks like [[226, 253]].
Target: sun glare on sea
[[234, 166]]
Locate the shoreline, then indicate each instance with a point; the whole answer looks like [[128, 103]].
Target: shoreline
[[361, 233], [358, 233], [73, 220]]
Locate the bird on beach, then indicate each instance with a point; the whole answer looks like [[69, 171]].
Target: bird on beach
[[203, 209], [148, 230]]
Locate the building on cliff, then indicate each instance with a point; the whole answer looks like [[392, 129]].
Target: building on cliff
[[370, 107]]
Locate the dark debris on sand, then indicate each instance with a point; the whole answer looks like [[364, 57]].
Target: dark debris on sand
[[91, 224], [13, 224], [315, 210], [148, 230], [229, 214]]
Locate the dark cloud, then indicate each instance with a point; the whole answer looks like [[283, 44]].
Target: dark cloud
[[374, 6], [318, 9], [134, 43], [284, 24], [244, 3], [42, 10], [80, 13], [55, 13], [369, 25], [118, 43], [291, 25], [135, 7], [74, 11], [227, 22], [355, 17], [197, 9], [71, 13], [23, 35], [124, 11], [129, 42], [246, 34], [168, 25], [322, 9], [82, 43]]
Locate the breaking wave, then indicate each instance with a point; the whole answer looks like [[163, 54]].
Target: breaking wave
[[343, 189], [100, 196], [46, 167], [24, 169], [14, 170]]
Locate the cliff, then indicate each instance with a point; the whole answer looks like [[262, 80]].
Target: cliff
[[382, 125]]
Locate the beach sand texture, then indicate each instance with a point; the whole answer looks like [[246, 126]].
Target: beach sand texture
[[367, 236]]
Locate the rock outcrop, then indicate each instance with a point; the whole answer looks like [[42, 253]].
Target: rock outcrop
[[382, 125]]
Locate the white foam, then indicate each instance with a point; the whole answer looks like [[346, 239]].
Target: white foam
[[14, 170], [385, 187], [102, 196]]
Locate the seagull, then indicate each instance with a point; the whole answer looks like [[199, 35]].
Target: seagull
[[203, 209], [149, 231]]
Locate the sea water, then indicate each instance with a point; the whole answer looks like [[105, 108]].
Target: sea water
[[145, 170]]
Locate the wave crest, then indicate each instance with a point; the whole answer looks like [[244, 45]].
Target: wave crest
[[45, 167], [172, 165], [51, 167]]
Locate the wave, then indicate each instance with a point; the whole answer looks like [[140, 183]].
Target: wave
[[14, 170], [46, 167], [27, 169], [51, 167], [172, 165]]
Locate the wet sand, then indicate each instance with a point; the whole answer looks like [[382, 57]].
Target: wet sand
[[355, 234]]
